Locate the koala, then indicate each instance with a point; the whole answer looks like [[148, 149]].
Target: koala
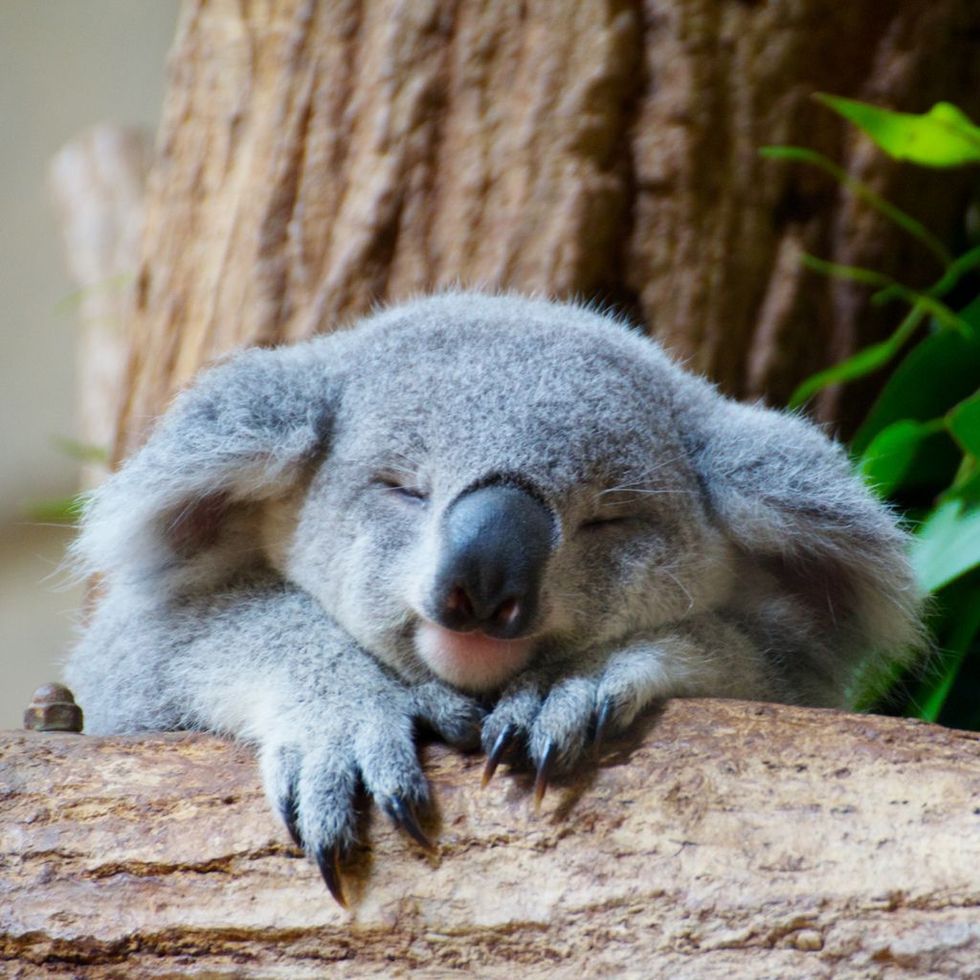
[[503, 518]]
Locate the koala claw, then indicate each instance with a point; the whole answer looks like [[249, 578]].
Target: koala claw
[[401, 812], [328, 861], [559, 719], [545, 767], [289, 811], [503, 742], [603, 717]]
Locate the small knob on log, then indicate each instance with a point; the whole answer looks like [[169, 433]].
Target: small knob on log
[[53, 709]]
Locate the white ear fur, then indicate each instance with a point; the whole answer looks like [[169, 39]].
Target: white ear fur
[[178, 512]]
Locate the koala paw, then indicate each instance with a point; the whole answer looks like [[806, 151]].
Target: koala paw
[[558, 717], [450, 713], [312, 780]]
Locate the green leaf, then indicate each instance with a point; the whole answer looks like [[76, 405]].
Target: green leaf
[[935, 375], [961, 619], [82, 451], [853, 273], [942, 137], [947, 545], [970, 314], [891, 289], [960, 266], [963, 422], [864, 362], [963, 264], [892, 452], [966, 483], [66, 510], [863, 192]]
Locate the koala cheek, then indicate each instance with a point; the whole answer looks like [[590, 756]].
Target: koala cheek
[[420, 570]]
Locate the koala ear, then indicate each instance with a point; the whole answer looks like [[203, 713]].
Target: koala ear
[[172, 516], [787, 497]]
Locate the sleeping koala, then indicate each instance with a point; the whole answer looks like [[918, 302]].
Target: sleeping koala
[[484, 513]]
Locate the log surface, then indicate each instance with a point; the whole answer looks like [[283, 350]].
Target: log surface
[[727, 840]]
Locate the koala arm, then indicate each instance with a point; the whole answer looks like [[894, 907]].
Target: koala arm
[[262, 662], [558, 706]]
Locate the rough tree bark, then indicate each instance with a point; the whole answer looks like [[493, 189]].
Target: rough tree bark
[[318, 157], [734, 840]]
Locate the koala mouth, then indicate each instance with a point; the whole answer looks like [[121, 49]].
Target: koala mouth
[[472, 661]]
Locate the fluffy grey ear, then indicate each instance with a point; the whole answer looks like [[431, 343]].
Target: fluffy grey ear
[[175, 516], [786, 495]]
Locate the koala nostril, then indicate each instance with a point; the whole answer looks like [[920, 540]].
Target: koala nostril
[[507, 613], [458, 603], [464, 610]]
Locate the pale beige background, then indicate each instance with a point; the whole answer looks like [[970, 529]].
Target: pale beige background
[[64, 65]]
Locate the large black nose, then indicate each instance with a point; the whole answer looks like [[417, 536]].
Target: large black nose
[[495, 543]]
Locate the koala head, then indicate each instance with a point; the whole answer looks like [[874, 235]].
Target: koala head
[[502, 475], [468, 482]]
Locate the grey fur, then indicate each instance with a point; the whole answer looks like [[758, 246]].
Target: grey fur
[[262, 581]]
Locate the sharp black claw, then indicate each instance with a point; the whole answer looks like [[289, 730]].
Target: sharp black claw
[[496, 753], [401, 812], [602, 719], [545, 767], [290, 817], [328, 861]]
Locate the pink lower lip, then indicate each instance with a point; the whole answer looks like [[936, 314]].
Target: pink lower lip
[[471, 660]]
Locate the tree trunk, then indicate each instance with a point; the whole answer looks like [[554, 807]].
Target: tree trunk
[[732, 840], [316, 158]]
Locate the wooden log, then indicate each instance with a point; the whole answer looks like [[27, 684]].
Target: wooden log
[[727, 840], [316, 158]]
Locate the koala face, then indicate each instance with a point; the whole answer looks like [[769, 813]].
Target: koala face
[[468, 484], [498, 489]]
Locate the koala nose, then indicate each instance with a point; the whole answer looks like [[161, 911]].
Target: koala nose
[[495, 543]]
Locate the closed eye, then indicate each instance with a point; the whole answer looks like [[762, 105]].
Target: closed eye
[[610, 521], [397, 486]]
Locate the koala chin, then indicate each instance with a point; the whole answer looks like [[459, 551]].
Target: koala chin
[[495, 515]]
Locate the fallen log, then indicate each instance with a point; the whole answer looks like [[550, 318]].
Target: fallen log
[[726, 839]]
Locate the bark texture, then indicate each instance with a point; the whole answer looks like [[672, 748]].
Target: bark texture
[[730, 840], [316, 158]]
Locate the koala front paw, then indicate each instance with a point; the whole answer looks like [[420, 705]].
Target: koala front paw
[[313, 777], [557, 716], [454, 716]]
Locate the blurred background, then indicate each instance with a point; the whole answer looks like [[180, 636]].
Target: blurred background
[[64, 65]]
